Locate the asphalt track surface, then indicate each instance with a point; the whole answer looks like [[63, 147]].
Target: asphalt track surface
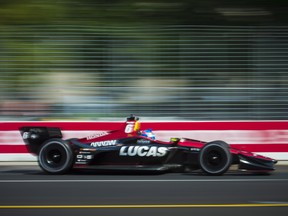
[[26, 190]]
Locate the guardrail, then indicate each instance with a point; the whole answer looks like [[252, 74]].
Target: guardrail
[[270, 138]]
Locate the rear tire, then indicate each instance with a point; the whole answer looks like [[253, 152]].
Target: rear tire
[[215, 158], [55, 157]]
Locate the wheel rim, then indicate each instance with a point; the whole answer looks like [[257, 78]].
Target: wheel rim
[[215, 160], [55, 156]]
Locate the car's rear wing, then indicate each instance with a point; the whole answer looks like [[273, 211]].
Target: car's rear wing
[[34, 137]]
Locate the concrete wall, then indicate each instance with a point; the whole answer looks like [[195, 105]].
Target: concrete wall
[[269, 138]]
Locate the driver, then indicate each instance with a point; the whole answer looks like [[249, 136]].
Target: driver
[[148, 133]]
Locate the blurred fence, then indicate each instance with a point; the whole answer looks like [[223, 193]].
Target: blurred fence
[[187, 72]]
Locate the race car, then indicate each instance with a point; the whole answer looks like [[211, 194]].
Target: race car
[[131, 148]]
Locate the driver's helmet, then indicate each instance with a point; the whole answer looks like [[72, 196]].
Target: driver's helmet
[[148, 133]]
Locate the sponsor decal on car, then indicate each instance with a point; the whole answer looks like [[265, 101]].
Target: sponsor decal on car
[[195, 149], [143, 141], [83, 158], [104, 143], [86, 157], [96, 135], [143, 151], [25, 135]]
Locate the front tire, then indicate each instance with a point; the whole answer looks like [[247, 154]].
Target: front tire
[[55, 157], [215, 158]]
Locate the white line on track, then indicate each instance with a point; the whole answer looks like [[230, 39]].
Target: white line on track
[[144, 206], [135, 180]]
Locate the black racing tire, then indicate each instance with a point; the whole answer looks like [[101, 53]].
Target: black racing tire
[[215, 158], [55, 157]]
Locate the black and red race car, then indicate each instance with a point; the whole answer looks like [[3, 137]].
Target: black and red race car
[[130, 149]]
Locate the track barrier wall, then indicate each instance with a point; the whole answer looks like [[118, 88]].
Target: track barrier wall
[[269, 138]]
